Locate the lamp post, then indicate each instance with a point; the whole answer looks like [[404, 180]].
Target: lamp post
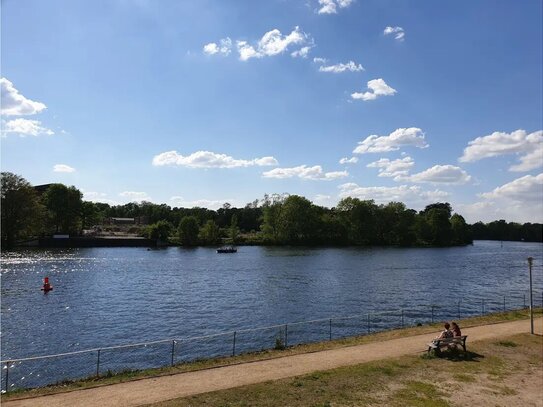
[[530, 261]]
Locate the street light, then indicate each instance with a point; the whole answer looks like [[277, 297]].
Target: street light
[[530, 261]]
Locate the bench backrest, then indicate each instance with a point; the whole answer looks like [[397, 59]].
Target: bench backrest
[[453, 339]]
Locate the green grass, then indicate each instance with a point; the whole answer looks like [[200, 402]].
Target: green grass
[[509, 344], [380, 369], [406, 381]]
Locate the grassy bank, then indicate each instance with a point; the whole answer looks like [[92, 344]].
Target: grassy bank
[[212, 363], [498, 372]]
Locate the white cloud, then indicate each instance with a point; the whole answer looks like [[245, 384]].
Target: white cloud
[[399, 33], [305, 172], [319, 60], [377, 87], [25, 127], [302, 52], [345, 160], [272, 43], [331, 6], [339, 68], [525, 189], [402, 137], [224, 47], [214, 204], [98, 197], [440, 174], [15, 104], [520, 200], [528, 146], [208, 159], [412, 196], [134, 196], [394, 168], [63, 168]]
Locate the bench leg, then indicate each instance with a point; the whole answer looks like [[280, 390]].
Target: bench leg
[[464, 346]]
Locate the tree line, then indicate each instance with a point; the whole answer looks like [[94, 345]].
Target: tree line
[[275, 219]]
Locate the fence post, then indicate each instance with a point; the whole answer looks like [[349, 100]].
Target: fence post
[[330, 328], [459, 308], [234, 345], [369, 324], [433, 313], [402, 318], [7, 376], [98, 364], [286, 335], [524, 301], [173, 350], [482, 307], [504, 303]]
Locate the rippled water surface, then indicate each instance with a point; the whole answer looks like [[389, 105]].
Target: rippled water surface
[[108, 296]]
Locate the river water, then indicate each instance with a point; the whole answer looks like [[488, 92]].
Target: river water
[[114, 296]]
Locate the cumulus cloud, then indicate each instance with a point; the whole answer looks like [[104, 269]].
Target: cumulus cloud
[[525, 189], [305, 172], [208, 159], [350, 66], [392, 168], [398, 32], [302, 52], [94, 196], [377, 87], [440, 174], [63, 168], [520, 200], [412, 196], [214, 204], [133, 196], [224, 47], [401, 137], [15, 104], [319, 60], [272, 43], [528, 146], [331, 6], [345, 160], [25, 127]]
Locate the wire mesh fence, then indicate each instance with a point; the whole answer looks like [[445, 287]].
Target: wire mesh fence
[[50, 369]]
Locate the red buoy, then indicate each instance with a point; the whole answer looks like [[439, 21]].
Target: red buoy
[[46, 286]]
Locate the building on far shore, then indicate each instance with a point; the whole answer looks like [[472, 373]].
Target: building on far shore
[[138, 220]]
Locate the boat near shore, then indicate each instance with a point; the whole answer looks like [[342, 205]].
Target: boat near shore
[[227, 249]]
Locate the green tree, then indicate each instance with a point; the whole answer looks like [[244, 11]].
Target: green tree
[[460, 230], [22, 213], [63, 205], [298, 221], [188, 230], [160, 230], [210, 233], [233, 230], [360, 219], [439, 225]]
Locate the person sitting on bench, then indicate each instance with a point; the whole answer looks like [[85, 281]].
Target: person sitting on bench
[[447, 333], [456, 329]]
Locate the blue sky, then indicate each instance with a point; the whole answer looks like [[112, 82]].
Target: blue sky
[[206, 102]]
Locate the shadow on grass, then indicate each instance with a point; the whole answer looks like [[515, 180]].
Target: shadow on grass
[[456, 355]]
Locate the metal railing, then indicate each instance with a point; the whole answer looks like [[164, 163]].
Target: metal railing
[[50, 369]]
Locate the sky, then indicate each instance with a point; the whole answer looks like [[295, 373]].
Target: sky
[[198, 103]]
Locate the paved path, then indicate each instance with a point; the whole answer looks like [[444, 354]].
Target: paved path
[[163, 388]]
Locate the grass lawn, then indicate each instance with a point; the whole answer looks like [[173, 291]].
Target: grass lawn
[[494, 373]]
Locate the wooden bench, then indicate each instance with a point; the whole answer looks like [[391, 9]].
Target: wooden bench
[[437, 344]]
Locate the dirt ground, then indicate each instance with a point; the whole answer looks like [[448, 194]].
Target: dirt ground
[[153, 390]]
